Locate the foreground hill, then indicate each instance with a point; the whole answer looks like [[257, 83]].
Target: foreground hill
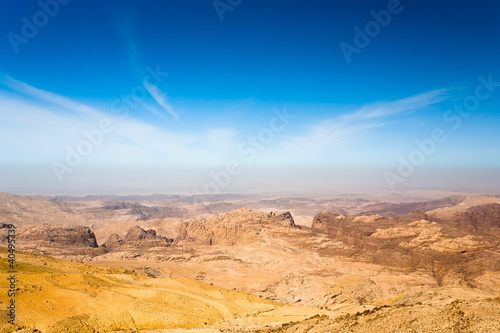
[[59, 296]]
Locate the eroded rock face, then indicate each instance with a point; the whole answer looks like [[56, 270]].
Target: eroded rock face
[[58, 240], [454, 249], [480, 217], [114, 241], [326, 219], [353, 227], [58, 235], [136, 238], [136, 234], [242, 226]]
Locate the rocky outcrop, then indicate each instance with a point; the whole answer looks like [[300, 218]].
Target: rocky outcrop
[[114, 241], [483, 216], [325, 219], [341, 226], [58, 235], [137, 234], [242, 226], [462, 244], [58, 240], [136, 238]]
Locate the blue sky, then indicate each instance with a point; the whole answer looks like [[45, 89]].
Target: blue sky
[[221, 82]]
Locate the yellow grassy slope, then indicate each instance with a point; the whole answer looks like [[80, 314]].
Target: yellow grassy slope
[[61, 296]]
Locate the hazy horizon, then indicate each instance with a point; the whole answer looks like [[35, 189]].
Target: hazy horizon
[[307, 182]]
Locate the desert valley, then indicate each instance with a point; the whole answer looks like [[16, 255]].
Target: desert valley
[[414, 262]]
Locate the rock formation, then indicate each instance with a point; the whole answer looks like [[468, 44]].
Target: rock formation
[[58, 240], [137, 239], [242, 226], [58, 235]]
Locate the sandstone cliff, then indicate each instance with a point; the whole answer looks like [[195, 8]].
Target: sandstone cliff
[[58, 240], [136, 239], [242, 226]]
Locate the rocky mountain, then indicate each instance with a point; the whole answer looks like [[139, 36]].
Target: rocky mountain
[[453, 250], [136, 239], [168, 227], [63, 241], [238, 227], [58, 235], [341, 257], [356, 269]]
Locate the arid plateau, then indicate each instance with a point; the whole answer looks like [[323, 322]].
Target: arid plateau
[[415, 262]]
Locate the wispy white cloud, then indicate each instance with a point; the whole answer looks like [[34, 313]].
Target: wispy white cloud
[[132, 48], [405, 105], [46, 96], [161, 98], [354, 127], [37, 126]]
